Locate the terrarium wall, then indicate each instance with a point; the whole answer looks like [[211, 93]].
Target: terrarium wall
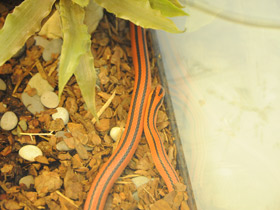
[[223, 76]]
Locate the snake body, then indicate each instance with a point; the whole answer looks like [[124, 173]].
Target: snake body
[[112, 169], [157, 149], [142, 113]]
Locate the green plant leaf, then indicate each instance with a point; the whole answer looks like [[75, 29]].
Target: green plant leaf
[[20, 25], [76, 40], [94, 14], [82, 3], [167, 8], [86, 78], [76, 57], [139, 12], [178, 3]]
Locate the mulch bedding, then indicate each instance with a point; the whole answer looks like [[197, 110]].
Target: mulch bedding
[[63, 178]]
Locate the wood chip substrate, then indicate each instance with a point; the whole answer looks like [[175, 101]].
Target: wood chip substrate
[[61, 178]]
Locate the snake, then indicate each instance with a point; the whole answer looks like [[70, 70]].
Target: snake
[[157, 148], [142, 95]]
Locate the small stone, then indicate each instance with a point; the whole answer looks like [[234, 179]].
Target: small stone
[[41, 41], [140, 180], [40, 84], [30, 152], [9, 121], [60, 134], [62, 146], [49, 99], [50, 47], [23, 125], [3, 85], [32, 103], [54, 47], [27, 180], [116, 133], [61, 113]]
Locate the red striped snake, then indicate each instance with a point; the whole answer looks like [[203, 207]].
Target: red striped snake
[[136, 121]]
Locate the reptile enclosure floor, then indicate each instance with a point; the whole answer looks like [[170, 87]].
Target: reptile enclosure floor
[[62, 178]]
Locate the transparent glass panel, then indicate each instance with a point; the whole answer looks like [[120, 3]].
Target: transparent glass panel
[[224, 79]]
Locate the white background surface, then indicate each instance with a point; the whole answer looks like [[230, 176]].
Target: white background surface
[[224, 79]]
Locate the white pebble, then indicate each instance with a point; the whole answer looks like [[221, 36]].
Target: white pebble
[[27, 180], [116, 133], [9, 121], [40, 84], [41, 41], [62, 146], [60, 134], [140, 180], [49, 99], [3, 85], [32, 103], [30, 152], [61, 113], [54, 47]]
